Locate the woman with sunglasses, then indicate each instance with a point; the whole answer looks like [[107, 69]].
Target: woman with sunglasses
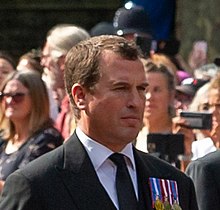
[[27, 131]]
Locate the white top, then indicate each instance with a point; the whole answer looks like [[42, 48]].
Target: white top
[[141, 140], [202, 147], [104, 167]]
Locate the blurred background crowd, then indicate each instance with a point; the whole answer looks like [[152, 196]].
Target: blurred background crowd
[[35, 113]]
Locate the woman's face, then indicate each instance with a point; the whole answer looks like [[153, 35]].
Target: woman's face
[[158, 97], [16, 101], [214, 107]]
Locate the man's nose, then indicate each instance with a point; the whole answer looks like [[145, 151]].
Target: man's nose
[[135, 98]]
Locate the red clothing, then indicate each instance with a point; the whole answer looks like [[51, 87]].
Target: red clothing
[[63, 120]]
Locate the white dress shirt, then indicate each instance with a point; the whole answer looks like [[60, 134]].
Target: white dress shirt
[[104, 167]]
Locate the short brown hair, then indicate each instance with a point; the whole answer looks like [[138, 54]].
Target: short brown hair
[[82, 61]]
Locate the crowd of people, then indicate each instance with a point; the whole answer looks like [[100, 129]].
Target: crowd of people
[[96, 98]]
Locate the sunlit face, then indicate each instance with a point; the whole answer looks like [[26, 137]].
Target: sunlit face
[[52, 67], [5, 69], [114, 112], [214, 107], [17, 108], [158, 97]]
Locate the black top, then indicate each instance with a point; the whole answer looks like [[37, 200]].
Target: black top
[[65, 178], [37, 145]]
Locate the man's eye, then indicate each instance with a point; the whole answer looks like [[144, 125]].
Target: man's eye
[[142, 89], [120, 88]]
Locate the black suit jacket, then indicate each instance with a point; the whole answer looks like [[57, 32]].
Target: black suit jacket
[[205, 173], [65, 179]]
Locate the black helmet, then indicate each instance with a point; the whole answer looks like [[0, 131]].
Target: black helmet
[[131, 20]]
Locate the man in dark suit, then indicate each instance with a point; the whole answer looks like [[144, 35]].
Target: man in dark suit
[[206, 177], [106, 83]]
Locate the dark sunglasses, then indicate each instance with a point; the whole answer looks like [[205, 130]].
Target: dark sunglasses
[[16, 97]]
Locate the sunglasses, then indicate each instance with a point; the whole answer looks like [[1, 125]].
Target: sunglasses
[[16, 97]]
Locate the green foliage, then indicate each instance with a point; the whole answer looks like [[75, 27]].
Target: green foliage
[[199, 20]]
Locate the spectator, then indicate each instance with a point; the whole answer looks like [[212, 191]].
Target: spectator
[[205, 174], [106, 83], [198, 56], [7, 65], [206, 72], [186, 91], [159, 108], [27, 131], [60, 39], [209, 141], [158, 59], [32, 61]]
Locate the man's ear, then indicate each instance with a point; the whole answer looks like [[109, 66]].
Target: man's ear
[[78, 94]]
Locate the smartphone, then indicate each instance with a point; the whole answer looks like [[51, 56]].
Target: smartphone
[[200, 46], [198, 120], [169, 147]]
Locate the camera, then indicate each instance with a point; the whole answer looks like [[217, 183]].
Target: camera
[[197, 120], [145, 44]]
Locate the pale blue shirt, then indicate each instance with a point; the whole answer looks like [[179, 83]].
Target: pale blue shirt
[[105, 168]]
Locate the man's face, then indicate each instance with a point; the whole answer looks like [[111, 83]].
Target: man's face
[[52, 67], [114, 112]]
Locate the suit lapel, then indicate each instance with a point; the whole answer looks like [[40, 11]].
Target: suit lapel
[[145, 170], [143, 186], [80, 178], [83, 185]]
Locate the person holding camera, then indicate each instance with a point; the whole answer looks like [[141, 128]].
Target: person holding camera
[[208, 140]]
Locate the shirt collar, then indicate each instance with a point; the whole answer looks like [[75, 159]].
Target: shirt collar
[[99, 153]]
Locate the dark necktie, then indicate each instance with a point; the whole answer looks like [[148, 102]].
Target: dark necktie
[[125, 191]]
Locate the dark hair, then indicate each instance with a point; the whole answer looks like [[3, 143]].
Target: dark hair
[[82, 61], [6, 56]]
